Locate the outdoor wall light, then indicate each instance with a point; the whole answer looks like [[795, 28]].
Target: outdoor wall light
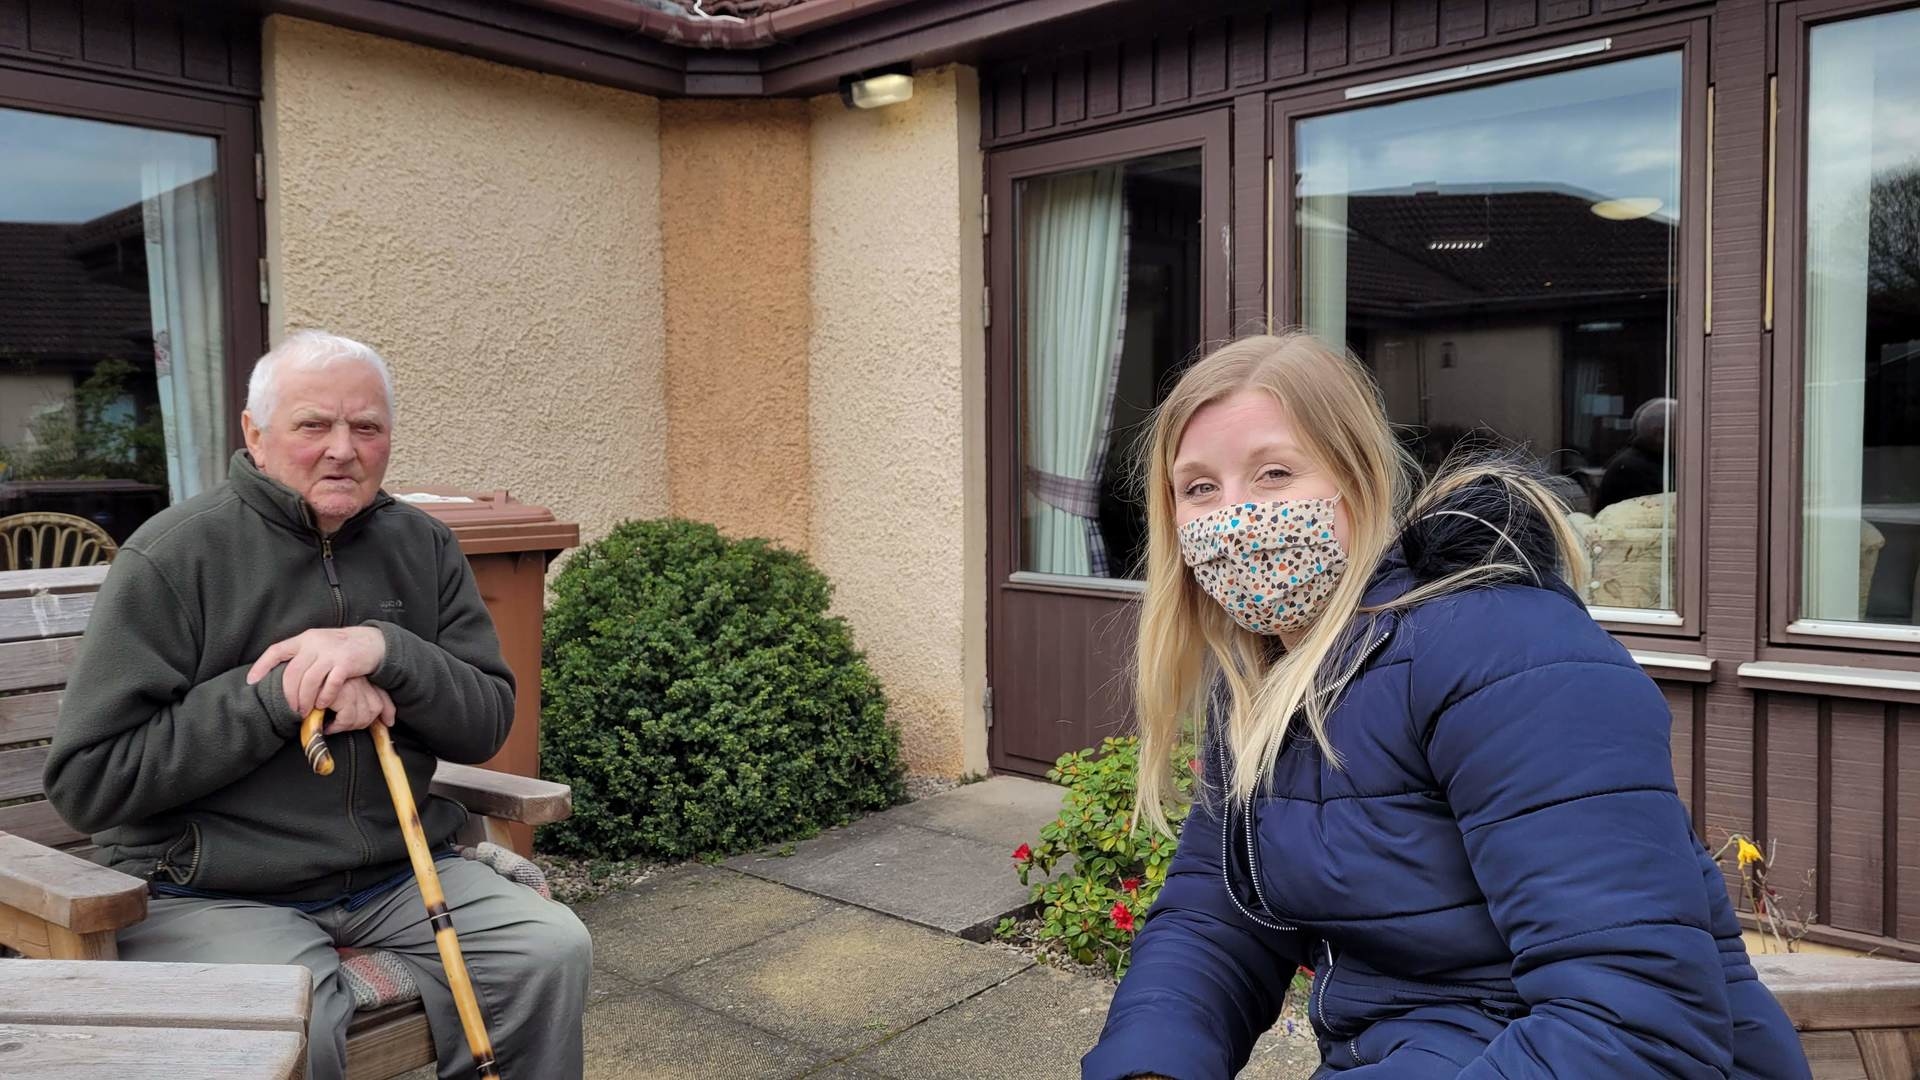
[[876, 90], [1626, 209]]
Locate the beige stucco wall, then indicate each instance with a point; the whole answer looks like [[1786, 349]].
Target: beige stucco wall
[[734, 214], [496, 234], [897, 399]]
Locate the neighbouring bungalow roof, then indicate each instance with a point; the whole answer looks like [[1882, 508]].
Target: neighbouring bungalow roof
[[74, 293]]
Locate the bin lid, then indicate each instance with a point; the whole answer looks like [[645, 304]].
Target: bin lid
[[491, 522]]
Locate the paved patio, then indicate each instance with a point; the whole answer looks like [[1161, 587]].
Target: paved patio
[[851, 964], [843, 958]]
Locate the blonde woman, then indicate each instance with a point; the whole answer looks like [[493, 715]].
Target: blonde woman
[[1429, 775]]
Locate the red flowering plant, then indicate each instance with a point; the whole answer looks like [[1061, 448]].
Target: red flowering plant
[[1101, 874]]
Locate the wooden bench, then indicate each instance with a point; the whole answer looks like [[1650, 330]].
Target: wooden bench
[[1858, 1018], [55, 904], [72, 1020]]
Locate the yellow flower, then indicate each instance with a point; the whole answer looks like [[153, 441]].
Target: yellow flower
[[1747, 852]]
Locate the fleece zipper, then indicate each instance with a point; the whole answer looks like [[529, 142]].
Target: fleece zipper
[[353, 748]]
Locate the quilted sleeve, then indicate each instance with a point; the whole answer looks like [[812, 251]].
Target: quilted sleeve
[[1561, 779], [1206, 981]]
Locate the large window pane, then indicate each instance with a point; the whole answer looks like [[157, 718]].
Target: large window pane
[[112, 394], [1109, 285], [1506, 259], [1861, 504]]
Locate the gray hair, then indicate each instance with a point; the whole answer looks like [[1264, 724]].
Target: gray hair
[[309, 350]]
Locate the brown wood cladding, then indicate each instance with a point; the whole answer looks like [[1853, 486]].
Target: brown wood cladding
[[149, 42], [1297, 42], [1837, 781]]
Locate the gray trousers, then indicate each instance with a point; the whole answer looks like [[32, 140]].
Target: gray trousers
[[529, 958]]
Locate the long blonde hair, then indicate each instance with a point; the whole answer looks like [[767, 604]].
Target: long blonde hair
[[1186, 640]]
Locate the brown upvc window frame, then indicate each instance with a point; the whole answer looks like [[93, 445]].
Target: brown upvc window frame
[[1684, 32], [233, 126], [1795, 21], [1207, 131]]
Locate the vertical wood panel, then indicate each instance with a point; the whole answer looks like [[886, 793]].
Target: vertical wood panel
[[53, 26], [1209, 63], [1562, 10], [1513, 15], [1416, 24], [1287, 41], [156, 41], [1008, 104], [1793, 780], [1249, 210], [1136, 75], [1727, 756], [1855, 838], [1171, 75], [1462, 20], [1372, 30], [1680, 704], [1327, 35], [106, 33], [244, 53], [1908, 924], [1823, 801], [1070, 90], [1039, 100], [203, 51], [13, 24], [1248, 49], [1890, 877], [1103, 81]]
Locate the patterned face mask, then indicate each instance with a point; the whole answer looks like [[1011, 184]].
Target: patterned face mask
[[1270, 565]]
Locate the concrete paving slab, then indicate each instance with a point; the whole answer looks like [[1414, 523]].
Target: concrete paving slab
[[655, 1036], [845, 980], [1004, 811], [1037, 1024], [686, 914], [937, 879]]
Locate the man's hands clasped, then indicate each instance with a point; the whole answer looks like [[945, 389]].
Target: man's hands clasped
[[328, 669]]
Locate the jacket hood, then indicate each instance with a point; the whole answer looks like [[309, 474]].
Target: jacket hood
[[1485, 521]]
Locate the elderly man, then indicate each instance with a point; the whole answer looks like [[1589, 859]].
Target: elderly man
[[227, 618], [1641, 468]]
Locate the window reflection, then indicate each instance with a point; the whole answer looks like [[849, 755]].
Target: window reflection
[[112, 391], [1506, 259]]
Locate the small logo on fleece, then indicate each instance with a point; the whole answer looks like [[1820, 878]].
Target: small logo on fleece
[[393, 605]]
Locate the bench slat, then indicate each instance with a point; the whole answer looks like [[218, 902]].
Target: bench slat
[[28, 717], [38, 822], [503, 795], [255, 997], [36, 665], [75, 1052], [67, 891], [1841, 993], [21, 771], [44, 615], [60, 580]]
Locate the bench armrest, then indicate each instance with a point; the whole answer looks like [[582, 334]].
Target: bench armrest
[[1839, 993], [66, 890], [503, 795]]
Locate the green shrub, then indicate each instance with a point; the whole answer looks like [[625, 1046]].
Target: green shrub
[[702, 702], [1093, 909]]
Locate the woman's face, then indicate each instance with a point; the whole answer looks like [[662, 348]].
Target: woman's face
[[1240, 449]]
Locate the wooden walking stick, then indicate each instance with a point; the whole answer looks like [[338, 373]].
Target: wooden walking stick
[[441, 919]]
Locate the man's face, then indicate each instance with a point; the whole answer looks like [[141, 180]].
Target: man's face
[[329, 439]]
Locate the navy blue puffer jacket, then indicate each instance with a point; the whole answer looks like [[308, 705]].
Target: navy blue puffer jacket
[[1501, 880]]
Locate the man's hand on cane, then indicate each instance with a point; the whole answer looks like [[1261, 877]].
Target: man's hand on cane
[[320, 664], [359, 705]]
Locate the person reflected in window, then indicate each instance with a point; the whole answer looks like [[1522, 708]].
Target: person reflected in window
[[1641, 468], [1421, 768]]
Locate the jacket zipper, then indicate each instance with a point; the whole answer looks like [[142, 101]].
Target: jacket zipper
[[193, 866], [353, 755], [1226, 826]]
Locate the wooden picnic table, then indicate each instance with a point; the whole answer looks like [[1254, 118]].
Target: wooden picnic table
[[88, 1020]]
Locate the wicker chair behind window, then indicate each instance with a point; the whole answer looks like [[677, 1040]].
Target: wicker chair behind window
[[41, 541]]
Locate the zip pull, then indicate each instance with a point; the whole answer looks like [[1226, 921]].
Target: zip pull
[[326, 561]]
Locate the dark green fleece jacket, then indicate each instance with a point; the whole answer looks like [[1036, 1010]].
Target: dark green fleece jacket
[[184, 773]]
